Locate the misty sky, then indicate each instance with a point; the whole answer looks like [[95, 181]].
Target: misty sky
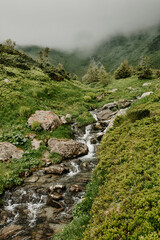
[[69, 24]]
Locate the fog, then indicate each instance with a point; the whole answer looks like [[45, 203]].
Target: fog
[[71, 24]]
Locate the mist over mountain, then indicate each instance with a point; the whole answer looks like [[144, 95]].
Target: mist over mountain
[[110, 53], [74, 24]]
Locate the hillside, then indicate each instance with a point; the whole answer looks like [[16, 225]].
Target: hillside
[[111, 52], [122, 198]]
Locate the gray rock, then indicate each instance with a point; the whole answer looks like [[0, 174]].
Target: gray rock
[[7, 81], [105, 114], [36, 144], [56, 169], [8, 151], [112, 90], [146, 84], [48, 120], [145, 94], [67, 148]]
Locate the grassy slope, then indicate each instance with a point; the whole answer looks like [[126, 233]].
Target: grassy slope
[[122, 200], [111, 53], [126, 178], [30, 90]]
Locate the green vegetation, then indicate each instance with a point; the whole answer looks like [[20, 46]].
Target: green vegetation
[[124, 71], [84, 119], [122, 200], [111, 53], [143, 70]]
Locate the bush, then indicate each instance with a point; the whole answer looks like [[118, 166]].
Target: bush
[[87, 98], [24, 111], [124, 71], [36, 126], [143, 69], [138, 114], [158, 74], [85, 119], [55, 157]]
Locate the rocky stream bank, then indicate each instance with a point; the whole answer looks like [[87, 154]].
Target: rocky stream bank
[[43, 204]]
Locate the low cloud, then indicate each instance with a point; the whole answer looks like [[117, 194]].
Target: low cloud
[[71, 24]]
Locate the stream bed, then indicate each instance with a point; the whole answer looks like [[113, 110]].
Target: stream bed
[[29, 212]]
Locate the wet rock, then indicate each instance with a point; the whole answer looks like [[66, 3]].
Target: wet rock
[[75, 188], [9, 231], [57, 188], [146, 84], [93, 140], [99, 136], [8, 151], [48, 120], [56, 169], [36, 144], [51, 202], [56, 196], [3, 217], [67, 148], [105, 114], [125, 103], [31, 179]]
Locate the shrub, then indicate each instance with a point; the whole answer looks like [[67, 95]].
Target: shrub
[[143, 69], [55, 157], [24, 111], [119, 120], [36, 126], [158, 74], [87, 98], [138, 114], [85, 119], [123, 71]]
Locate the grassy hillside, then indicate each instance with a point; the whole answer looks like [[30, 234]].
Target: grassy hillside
[[111, 52], [27, 86], [122, 200]]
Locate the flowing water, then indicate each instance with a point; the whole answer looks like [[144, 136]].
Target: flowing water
[[27, 206]]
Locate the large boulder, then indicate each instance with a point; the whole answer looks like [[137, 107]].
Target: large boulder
[[48, 120], [8, 151], [67, 148]]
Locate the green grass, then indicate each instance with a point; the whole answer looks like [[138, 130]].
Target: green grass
[[122, 199]]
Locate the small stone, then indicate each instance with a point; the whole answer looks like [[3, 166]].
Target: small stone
[[53, 203], [112, 90], [63, 120], [36, 144], [30, 135], [75, 188], [145, 94], [7, 81], [146, 84], [56, 196]]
